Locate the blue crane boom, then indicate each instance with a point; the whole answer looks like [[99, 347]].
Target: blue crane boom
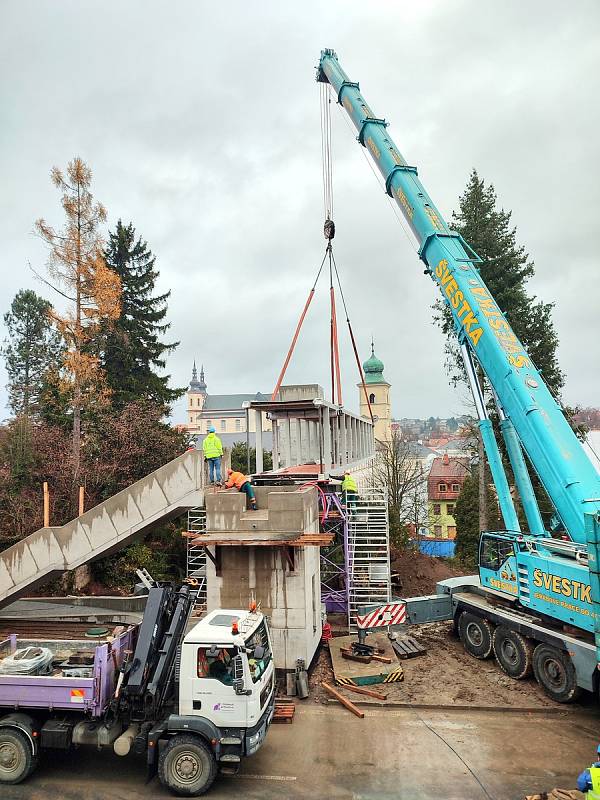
[[532, 421], [567, 474]]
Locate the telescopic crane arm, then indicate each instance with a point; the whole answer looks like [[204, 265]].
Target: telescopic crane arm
[[532, 420]]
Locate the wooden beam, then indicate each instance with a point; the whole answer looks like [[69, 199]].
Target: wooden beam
[[343, 700], [367, 692]]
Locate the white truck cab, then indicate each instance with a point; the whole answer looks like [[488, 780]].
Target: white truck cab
[[227, 675]]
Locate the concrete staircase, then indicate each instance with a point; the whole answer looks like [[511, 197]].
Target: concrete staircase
[[163, 495]]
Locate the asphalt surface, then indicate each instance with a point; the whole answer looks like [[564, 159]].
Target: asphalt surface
[[391, 753]]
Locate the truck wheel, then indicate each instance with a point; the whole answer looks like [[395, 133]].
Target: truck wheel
[[554, 671], [475, 634], [513, 652], [187, 766], [16, 757]]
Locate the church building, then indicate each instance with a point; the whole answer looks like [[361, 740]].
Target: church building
[[225, 412], [378, 391]]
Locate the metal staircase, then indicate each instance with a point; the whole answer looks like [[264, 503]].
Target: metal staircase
[[368, 554], [196, 555]]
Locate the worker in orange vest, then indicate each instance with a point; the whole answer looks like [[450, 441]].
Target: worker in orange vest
[[242, 484]]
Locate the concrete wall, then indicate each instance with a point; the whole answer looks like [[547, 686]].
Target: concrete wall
[[288, 510], [290, 598], [289, 593]]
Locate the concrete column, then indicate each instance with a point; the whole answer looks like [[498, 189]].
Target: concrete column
[[310, 440], [327, 450], [350, 438], [287, 427], [258, 440], [344, 439], [303, 443], [276, 457]]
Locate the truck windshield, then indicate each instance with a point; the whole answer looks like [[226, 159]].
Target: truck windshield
[[258, 639]]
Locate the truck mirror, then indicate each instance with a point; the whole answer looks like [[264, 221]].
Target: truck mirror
[[212, 651], [259, 652]]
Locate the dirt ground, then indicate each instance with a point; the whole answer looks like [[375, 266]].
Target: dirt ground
[[445, 676], [414, 574]]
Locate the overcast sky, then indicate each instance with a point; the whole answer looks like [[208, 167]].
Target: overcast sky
[[200, 122]]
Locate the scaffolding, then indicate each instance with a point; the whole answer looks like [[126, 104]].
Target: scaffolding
[[368, 550], [355, 568], [196, 554]]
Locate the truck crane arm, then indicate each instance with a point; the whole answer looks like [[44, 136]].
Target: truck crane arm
[[531, 419]]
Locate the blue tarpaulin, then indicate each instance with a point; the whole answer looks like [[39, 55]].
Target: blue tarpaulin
[[440, 548]]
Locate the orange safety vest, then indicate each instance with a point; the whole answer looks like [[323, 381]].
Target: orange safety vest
[[236, 479]]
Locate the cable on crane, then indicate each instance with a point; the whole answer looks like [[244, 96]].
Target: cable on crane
[[311, 294], [329, 233]]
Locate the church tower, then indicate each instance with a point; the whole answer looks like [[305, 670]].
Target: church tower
[[196, 395], [378, 390]]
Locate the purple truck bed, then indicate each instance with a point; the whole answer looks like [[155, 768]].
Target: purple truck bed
[[54, 692]]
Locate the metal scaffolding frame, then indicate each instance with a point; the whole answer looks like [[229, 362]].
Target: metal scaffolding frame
[[196, 554], [355, 568], [368, 550]]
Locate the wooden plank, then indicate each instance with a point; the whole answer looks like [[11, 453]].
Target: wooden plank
[[383, 659], [368, 692], [350, 656], [343, 700]]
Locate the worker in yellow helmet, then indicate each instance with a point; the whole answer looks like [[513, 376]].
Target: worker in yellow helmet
[[213, 452], [349, 492]]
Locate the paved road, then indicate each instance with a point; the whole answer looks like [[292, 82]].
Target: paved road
[[391, 753]]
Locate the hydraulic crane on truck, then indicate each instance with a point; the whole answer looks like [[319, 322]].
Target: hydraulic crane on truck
[[536, 601]]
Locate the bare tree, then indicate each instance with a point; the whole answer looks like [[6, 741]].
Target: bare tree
[[76, 264], [401, 472]]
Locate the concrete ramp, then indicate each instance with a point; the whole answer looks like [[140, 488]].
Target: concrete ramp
[[163, 495]]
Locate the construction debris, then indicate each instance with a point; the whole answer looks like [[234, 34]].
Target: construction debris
[[558, 794], [407, 647], [343, 700], [284, 712], [367, 692]]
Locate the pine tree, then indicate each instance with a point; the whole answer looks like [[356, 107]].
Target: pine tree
[[133, 350], [506, 268], [32, 348], [466, 514]]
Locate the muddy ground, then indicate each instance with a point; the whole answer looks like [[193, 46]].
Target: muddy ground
[[445, 676]]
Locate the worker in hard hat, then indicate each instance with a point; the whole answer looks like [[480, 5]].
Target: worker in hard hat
[[589, 780], [213, 452], [242, 484], [349, 492]]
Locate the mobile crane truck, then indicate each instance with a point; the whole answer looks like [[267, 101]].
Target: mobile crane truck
[[535, 603], [192, 704]]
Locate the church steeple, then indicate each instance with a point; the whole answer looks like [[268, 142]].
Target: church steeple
[[197, 386]]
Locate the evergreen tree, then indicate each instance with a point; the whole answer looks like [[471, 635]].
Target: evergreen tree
[[133, 349], [466, 514], [33, 347], [506, 268], [239, 458]]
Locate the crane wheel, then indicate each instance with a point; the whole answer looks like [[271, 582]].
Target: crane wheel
[[513, 652], [187, 766], [554, 671], [476, 635]]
